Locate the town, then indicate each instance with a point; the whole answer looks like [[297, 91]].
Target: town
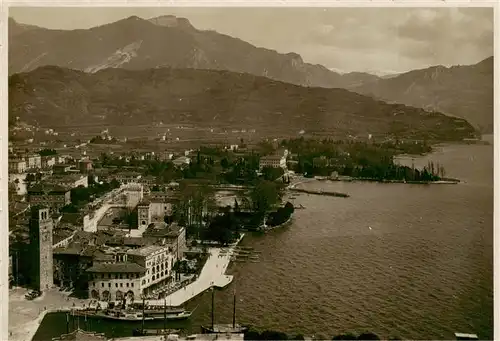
[[114, 229], [113, 225]]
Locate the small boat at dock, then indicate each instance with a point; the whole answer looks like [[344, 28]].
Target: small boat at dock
[[150, 332], [463, 336]]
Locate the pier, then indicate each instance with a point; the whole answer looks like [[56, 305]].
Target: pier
[[320, 192]]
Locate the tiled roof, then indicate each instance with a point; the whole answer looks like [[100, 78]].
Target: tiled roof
[[144, 251], [117, 268], [46, 187]]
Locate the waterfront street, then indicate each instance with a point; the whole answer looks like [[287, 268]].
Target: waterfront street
[[212, 274], [25, 316]]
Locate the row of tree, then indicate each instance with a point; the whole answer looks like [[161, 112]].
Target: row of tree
[[360, 160]]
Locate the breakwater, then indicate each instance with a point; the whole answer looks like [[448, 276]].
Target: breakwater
[[320, 192]]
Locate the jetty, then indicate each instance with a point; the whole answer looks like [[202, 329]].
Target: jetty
[[320, 192]]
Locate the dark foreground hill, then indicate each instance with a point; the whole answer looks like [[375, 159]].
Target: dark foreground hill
[[54, 97]]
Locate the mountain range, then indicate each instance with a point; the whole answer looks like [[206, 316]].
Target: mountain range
[[53, 96], [168, 41]]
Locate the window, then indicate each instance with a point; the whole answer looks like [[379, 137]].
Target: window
[[121, 285], [116, 285], [153, 277], [127, 285], [143, 281], [102, 285], [132, 284], [93, 284], [109, 285]]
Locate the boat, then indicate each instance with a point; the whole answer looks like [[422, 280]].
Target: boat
[[463, 336], [156, 315], [149, 332], [233, 328], [114, 315]]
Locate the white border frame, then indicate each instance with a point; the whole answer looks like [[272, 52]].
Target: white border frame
[[4, 221]]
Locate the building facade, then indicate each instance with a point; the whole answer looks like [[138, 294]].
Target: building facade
[[34, 161], [275, 161], [115, 281], [54, 197], [17, 166], [158, 261]]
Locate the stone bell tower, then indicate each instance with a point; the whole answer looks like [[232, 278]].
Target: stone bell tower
[[40, 231]]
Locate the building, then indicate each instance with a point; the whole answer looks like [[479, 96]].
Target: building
[[70, 265], [62, 168], [125, 177], [34, 161], [69, 180], [274, 161], [168, 235], [52, 196], [40, 234], [17, 166], [48, 161], [155, 208], [182, 161], [115, 281], [158, 261], [85, 166], [165, 156]]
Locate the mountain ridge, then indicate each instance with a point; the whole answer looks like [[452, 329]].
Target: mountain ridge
[[168, 41], [54, 96]]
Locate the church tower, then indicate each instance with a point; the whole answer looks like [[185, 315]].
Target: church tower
[[40, 231]]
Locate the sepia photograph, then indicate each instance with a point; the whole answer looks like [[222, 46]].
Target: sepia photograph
[[250, 173]]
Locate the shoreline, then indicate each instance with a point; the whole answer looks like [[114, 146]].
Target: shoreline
[[25, 317], [267, 229], [447, 181], [212, 274]]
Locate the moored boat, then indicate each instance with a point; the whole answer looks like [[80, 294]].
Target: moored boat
[[114, 315], [149, 332]]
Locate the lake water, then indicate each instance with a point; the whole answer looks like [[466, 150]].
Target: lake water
[[414, 261]]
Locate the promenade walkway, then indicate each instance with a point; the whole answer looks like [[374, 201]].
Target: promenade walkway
[[212, 274], [25, 316]]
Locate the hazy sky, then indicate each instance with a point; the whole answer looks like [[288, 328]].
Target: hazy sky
[[349, 39]]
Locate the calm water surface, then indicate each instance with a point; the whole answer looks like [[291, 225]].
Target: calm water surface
[[414, 261]]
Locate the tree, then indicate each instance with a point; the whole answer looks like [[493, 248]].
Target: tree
[[114, 183], [224, 163], [47, 152], [264, 195], [347, 336], [368, 336]]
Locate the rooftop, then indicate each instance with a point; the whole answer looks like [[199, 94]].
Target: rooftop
[[146, 250], [117, 268], [271, 157], [47, 187]]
